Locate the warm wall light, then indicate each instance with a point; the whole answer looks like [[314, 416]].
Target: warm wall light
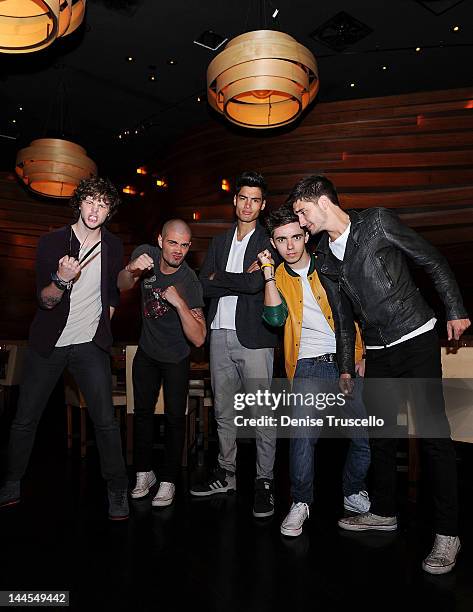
[[32, 25], [129, 190], [196, 216], [141, 170], [161, 183], [225, 185], [53, 167], [262, 79]]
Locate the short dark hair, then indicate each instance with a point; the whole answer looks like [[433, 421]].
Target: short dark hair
[[251, 179], [282, 216], [96, 187], [312, 188]]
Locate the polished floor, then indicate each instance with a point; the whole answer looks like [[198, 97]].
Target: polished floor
[[211, 554]]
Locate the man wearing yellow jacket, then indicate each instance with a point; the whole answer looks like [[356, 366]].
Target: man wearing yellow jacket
[[316, 346]]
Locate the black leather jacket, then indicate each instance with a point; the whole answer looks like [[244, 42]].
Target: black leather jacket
[[375, 276]]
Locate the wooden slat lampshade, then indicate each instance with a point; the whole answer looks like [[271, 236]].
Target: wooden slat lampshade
[[53, 167], [262, 79], [32, 25]]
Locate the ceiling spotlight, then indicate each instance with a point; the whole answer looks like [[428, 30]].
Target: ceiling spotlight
[[199, 99], [417, 49], [352, 84], [13, 120], [171, 62], [225, 185], [275, 14], [151, 77], [119, 136], [20, 108], [384, 67], [130, 58], [129, 190], [161, 183], [136, 131], [456, 28], [141, 170]]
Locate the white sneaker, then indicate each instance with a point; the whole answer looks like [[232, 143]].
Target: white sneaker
[[144, 481], [292, 524], [443, 556], [357, 502], [165, 494], [368, 521]]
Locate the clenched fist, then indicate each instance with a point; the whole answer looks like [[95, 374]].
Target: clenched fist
[[265, 257], [140, 264], [171, 295], [68, 268]]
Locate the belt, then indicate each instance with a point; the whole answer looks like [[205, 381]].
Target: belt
[[327, 358]]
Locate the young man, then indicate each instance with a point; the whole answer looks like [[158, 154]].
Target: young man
[[314, 319], [171, 306], [76, 278], [365, 253], [241, 346]]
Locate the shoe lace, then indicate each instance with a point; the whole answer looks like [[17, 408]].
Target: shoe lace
[[299, 509], [141, 479], [165, 488], [442, 546]]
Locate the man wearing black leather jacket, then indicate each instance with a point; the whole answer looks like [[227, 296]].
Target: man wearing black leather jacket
[[366, 253]]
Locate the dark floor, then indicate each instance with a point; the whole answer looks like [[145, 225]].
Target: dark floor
[[211, 554]]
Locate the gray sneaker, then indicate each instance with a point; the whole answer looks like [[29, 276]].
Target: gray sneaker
[[443, 556], [118, 504], [357, 502], [10, 493], [367, 521]]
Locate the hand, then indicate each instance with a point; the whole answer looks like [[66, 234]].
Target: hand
[[456, 327], [140, 264], [172, 296], [254, 266], [346, 384], [360, 367], [265, 257], [68, 268]]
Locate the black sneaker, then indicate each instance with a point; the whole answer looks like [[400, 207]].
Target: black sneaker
[[264, 498], [220, 481], [118, 504], [10, 493]]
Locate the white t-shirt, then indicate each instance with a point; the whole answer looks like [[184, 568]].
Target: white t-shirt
[[338, 247], [86, 303], [226, 309], [317, 337]]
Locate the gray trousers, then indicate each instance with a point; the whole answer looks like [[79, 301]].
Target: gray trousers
[[235, 369]]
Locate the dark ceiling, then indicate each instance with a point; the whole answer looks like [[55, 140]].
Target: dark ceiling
[[106, 95]]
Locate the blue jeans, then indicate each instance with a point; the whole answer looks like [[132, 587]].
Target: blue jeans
[[301, 457]]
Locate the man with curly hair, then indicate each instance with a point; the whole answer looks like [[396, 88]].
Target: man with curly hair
[[76, 281]]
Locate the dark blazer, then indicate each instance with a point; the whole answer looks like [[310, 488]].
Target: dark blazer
[[48, 324], [251, 330], [375, 276]]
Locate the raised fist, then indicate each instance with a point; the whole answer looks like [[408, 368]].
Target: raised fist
[[171, 295], [265, 257], [140, 264], [68, 268]]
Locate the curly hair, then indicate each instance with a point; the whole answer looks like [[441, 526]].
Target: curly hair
[[96, 187], [251, 179], [279, 217], [312, 188]]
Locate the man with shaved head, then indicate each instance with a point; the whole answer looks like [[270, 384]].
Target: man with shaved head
[[171, 304]]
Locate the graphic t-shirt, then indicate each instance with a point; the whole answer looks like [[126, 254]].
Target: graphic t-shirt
[[162, 336]]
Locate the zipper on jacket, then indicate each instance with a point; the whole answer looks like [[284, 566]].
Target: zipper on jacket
[[386, 271]]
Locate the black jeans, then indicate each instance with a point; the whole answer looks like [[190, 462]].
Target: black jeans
[[148, 374], [416, 358], [90, 366]]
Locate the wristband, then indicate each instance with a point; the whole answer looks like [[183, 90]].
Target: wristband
[[271, 278], [267, 265], [61, 284]]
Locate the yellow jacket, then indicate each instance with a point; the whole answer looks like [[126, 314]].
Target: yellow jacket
[[290, 312]]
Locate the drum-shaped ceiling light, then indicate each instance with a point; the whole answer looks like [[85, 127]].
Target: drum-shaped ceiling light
[[53, 167], [262, 79], [32, 25]]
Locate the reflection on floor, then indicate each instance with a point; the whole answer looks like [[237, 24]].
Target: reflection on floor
[[210, 553]]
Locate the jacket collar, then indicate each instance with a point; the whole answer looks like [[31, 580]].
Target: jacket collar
[[292, 272], [356, 220]]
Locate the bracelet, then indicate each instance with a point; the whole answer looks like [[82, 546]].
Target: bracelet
[[267, 265], [61, 284], [267, 280]]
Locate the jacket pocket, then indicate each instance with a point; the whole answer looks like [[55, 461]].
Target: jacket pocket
[[386, 271]]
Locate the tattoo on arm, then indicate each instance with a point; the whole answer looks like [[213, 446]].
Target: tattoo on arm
[[50, 302], [198, 314]]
